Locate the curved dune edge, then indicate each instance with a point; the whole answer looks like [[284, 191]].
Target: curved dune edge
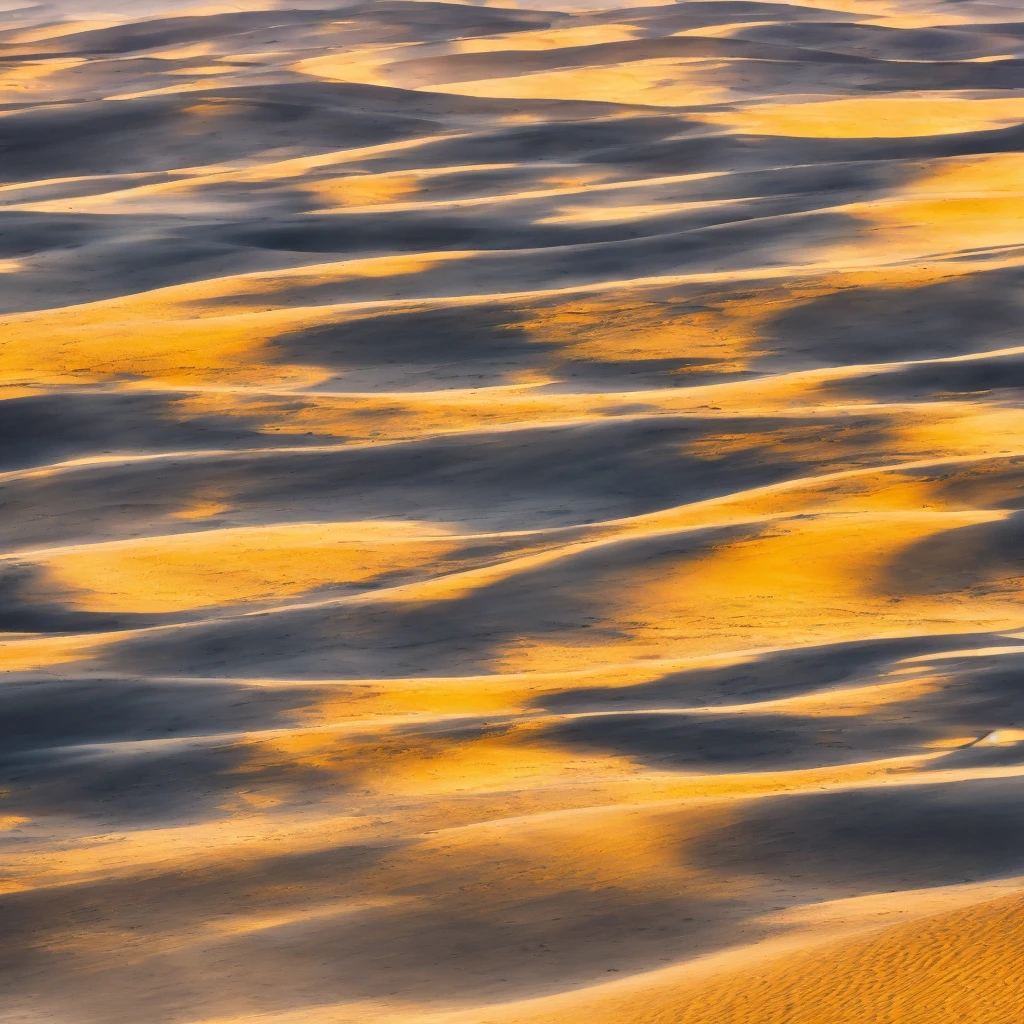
[[948, 958], [946, 964]]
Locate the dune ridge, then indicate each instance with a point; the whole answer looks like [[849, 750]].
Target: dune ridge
[[512, 514]]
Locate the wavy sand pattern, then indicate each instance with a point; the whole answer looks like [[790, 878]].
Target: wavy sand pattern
[[512, 515]]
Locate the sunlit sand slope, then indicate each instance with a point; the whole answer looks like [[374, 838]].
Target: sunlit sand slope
[[512, 515]]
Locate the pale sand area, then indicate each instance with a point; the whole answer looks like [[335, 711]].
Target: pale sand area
[[511, 515]]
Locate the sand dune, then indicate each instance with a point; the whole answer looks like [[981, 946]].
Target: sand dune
[[511, 514]]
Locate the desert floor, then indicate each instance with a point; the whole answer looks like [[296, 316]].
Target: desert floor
[[512, 515]]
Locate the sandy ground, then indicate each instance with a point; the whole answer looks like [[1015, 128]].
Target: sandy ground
[[512, 515]]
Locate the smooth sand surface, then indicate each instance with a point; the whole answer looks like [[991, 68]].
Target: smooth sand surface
[[511, 515]]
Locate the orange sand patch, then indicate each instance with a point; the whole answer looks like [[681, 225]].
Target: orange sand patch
[[900, 115], [216, 567]]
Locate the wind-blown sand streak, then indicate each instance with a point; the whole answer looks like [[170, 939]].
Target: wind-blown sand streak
[[512, 515]]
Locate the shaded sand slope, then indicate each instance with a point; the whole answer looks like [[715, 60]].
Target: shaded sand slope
[[511, 515]]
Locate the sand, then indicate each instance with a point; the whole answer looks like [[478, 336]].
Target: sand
[[511, 515]]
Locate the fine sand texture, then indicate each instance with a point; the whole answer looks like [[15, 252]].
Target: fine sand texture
[[510, 513]]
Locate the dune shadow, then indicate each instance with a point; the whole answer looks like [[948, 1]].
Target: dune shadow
[[731, 743], [875, 325], [31, 604], [998, 379], [980, 558], [135, 750], [541, 477], [863, 841]]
